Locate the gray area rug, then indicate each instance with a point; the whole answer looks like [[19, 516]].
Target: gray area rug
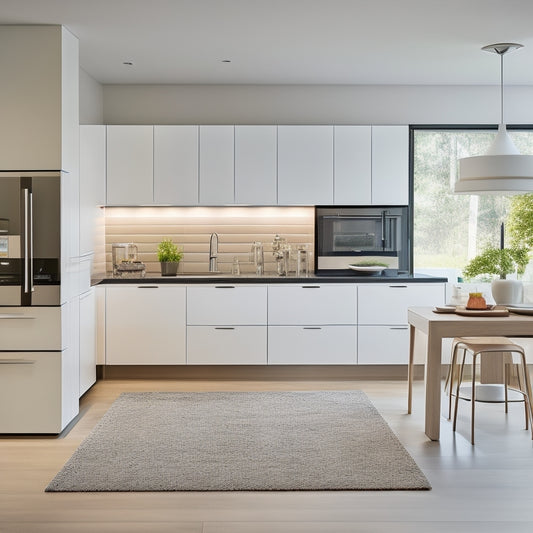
[[186, 441]]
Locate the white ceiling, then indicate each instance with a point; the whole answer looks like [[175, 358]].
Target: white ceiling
[[291, 41]]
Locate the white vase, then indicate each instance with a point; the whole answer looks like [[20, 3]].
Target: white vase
[[507, 291]]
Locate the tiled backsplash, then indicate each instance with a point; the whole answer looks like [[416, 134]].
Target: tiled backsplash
[[191, 228]]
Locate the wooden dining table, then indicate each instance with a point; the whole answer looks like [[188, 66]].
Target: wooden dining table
[[438, 326]]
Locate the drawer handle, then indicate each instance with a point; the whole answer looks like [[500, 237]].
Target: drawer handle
[[405, 327], [224, 286], [224, 328], [309, 327], [148, 287], [397, 286], [16, 362], [310, 286], [15, 315]]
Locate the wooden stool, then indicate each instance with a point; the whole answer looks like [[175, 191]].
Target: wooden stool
[[477, 346]]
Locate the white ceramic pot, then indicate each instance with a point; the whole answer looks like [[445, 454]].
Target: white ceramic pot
[[507, 291]]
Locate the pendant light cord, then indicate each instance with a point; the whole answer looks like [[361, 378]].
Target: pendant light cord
[[501, 87]]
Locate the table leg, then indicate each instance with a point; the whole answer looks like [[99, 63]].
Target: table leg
[[433, 385], [410, 369]]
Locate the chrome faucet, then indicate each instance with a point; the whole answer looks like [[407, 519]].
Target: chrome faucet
[[213, 252]]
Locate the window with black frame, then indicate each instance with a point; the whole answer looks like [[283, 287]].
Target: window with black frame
[[450, 229]]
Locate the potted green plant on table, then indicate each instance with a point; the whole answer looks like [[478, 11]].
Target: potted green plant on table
[[169, 255], [496, 263]]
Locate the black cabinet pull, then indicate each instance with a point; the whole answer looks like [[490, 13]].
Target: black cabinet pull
[[224, 286]]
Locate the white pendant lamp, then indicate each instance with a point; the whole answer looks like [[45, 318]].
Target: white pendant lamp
[[502, 170]]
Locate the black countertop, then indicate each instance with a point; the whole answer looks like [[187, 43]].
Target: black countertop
[[271, 278]]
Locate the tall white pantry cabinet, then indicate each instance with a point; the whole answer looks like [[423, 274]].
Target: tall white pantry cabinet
[[39, 346]]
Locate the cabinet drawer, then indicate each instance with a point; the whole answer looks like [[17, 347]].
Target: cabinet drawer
[[383, 345], [30, 392], [312, 345], [387, 304], [226, 345], [226, 305], [312, 304], [30, 328]]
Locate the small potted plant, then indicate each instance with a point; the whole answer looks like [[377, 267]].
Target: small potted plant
[[500, 262], [169, 255]]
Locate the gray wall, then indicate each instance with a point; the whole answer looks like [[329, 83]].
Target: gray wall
[[314, 104], [91, 100]]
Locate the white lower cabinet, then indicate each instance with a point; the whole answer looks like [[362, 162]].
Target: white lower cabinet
[[383, 345], [87, 340], [31, 392], [227, 345], [312, 324], [383, 332], [312, 345], [145, 325]]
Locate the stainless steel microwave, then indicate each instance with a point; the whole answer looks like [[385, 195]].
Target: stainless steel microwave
[[347, 235]]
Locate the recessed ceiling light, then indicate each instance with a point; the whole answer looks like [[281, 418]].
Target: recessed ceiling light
[[128, 63]]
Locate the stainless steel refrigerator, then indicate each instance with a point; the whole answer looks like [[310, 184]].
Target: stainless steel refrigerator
[[30, 239]]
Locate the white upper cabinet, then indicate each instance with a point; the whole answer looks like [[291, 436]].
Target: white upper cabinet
[[176, 165], [353, 165], [305, 165], [130, 160], [217, 165], [256, 165], [390, 165], [92, 186]]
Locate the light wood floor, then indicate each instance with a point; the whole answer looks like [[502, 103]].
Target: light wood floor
[[483, 488]]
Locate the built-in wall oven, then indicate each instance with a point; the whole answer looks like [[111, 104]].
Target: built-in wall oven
[[30, 239], [347, 235]]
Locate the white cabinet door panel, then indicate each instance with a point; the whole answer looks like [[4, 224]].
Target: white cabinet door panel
[[226, 345], [227, 305], [387, 304], [256, 165], [305, 165], [383, 345], [87, 340], [312, 304], [145, 325], [217, 184], [176, 165], [130, 160], [353, 165], [390, 165], [92, 187], [312, 345]]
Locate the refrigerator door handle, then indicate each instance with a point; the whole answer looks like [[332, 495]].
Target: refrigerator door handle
[[26, 241], [30, 273]]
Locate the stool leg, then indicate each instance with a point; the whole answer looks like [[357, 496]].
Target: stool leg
[[450, 381], [473, 397], [505, 386], [459, 380], [522, 389], [527, 396]]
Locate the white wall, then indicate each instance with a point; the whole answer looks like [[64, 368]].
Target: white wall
[[314, 104], [91, 100]]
